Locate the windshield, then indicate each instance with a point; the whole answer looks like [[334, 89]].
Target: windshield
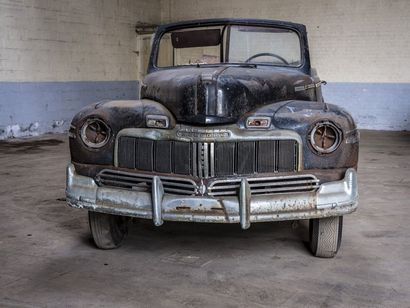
[[230, 44]]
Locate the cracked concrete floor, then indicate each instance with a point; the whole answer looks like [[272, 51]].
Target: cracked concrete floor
[[48, 259]]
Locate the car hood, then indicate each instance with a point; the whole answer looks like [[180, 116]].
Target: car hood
[[215, 95]]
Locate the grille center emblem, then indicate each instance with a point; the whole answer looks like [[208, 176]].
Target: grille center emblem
[[202, 189], [203, 133]]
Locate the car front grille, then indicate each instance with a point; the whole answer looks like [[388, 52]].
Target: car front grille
[[264, 186], [214, 188], [207, 159], [143, 182]]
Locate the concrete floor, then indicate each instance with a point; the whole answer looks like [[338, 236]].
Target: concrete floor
[[47, 257]]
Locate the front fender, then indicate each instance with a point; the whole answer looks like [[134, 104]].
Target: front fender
[[301, 116], [117, 115]]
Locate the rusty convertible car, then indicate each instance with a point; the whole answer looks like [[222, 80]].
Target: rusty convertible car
[[231, 127]]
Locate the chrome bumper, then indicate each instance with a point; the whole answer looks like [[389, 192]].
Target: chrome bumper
[[331, 199]]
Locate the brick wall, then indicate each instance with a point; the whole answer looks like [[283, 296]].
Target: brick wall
[[71, 40]]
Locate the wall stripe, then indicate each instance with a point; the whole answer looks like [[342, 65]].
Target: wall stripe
[[33, 108], [378, 106]]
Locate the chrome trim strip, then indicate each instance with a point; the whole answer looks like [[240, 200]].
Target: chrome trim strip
[[270, 184]]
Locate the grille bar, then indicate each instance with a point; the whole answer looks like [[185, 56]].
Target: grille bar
[[212, 159], [204, 160]]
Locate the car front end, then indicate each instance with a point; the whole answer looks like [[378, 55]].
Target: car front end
[[219, 174], [227, 142]]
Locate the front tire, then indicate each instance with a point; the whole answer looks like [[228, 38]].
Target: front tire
[[325, 236], [108, 231]]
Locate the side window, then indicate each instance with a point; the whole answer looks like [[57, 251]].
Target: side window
[[144, 51], [165, 54]]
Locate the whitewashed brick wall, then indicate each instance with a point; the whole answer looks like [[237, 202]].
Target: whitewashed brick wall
[[71, 40], [350, 40]]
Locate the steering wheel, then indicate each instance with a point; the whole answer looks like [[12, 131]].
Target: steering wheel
[[267, 54]]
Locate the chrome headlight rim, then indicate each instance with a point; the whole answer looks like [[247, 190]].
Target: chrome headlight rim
[[338, 134], [102, 124]]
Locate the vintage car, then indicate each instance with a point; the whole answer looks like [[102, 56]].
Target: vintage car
[[230, 127]]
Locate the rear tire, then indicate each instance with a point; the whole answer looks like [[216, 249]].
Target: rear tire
[[325, 236], [108, 231]]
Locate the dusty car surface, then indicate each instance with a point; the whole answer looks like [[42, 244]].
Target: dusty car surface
[[231, 127]]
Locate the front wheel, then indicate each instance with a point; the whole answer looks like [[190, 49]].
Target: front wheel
[[108, 231], [325, 236]]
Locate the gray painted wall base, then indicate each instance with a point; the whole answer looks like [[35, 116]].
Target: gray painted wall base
[[376, 106], [33, 108]]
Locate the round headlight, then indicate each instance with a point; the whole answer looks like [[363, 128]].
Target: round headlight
[[95, 133], [325, 137]]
